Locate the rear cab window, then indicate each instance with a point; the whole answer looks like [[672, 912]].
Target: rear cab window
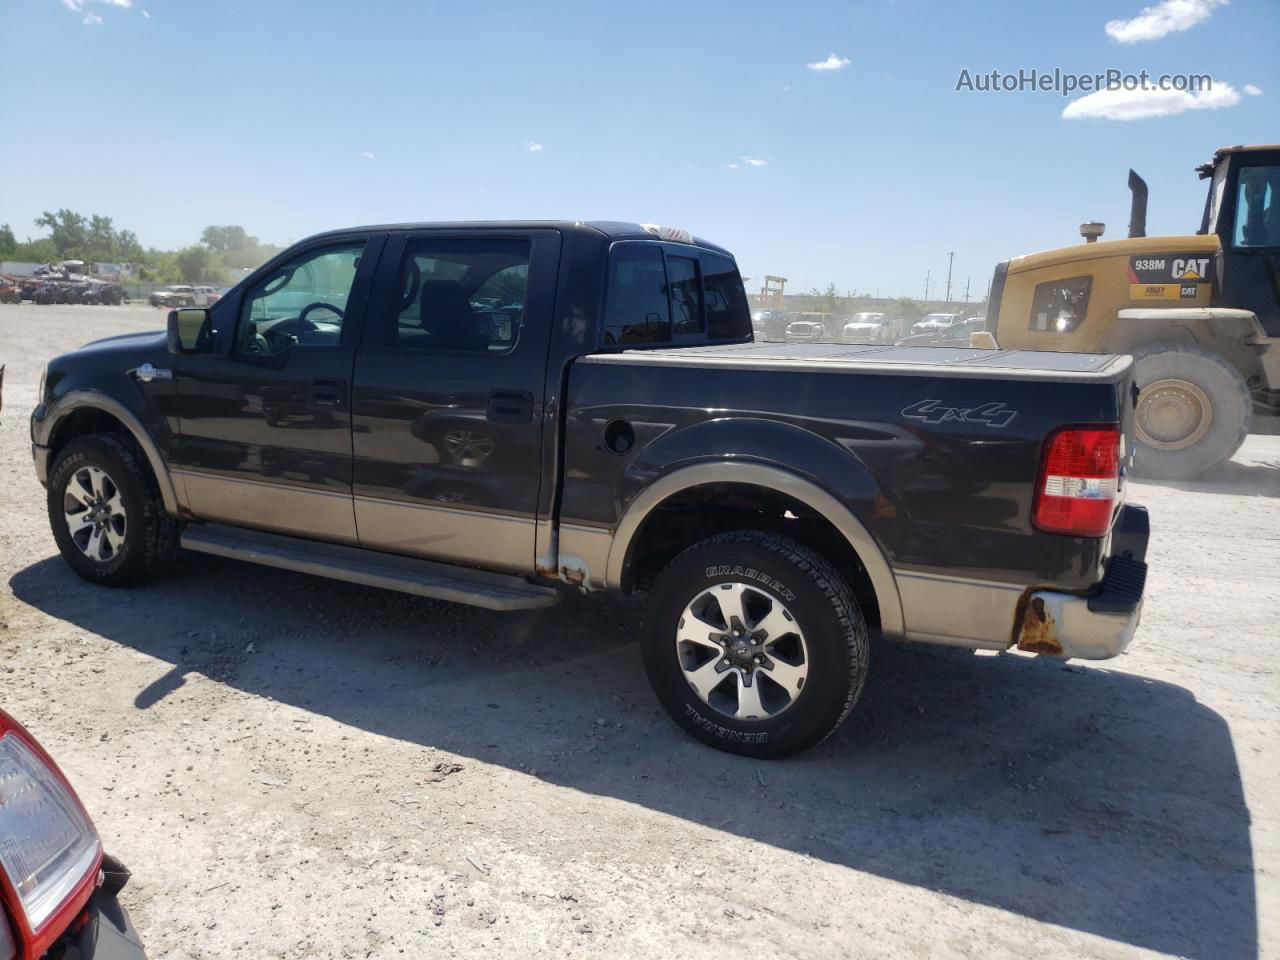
[[672, 294]]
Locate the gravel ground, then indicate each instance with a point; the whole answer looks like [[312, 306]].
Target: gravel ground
[[294, 767]]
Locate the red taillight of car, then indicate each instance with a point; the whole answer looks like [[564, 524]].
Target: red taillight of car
[[1079, 481], [50, 854]]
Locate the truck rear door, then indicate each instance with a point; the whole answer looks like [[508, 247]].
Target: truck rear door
[[448, 392]]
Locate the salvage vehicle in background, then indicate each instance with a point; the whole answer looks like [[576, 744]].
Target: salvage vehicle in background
[[183, 295], [1200, 313], [10, 291], [955, 335], [871, 328], [58, 890], [492, 413], [936, 323], [769, 325], [809, 328]]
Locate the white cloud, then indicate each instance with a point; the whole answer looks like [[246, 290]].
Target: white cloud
[[754, 161], [367, 155], [1121, 104], [831, 63], [535, 147], [1253, 90], [1161, 19], [89, 18], [146, 14], [733, 166]]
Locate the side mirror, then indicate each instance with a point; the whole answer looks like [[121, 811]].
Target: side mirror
[[189, 331]]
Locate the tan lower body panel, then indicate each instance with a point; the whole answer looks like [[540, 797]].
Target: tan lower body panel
[[304, 511], [448, 533], [957, 611]]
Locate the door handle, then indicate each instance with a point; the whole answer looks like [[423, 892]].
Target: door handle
[[328, 393], [510, 406]]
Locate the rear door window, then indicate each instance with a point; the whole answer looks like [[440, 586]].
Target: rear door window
[[658, 295], [728, 315], [637, 311]]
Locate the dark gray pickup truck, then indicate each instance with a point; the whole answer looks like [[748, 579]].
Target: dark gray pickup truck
[[493, 413]]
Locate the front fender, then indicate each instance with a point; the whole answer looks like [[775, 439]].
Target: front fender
[[47, 417]]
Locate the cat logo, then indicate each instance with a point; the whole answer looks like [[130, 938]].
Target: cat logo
[[1191, 268]]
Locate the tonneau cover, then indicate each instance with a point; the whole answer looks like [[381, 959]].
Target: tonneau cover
[[871, 359]]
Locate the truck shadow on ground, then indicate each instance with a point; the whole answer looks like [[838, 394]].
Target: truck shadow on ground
[[1074, 795]]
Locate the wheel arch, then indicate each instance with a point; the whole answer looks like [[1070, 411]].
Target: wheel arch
[[83, 412], [778, 483]]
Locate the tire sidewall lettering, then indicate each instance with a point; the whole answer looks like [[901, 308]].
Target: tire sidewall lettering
[[750, 573]]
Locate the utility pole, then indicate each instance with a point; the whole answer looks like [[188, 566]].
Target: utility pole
[[950, 257], [926, 285], [966, 288]]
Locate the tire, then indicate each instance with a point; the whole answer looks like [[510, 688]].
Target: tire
[[823, 645], [136, 538], [1194, 411]]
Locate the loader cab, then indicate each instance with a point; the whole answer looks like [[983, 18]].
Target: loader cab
[[1242, 208]]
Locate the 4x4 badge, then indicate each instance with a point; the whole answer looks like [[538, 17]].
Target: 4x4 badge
[[993, 414]]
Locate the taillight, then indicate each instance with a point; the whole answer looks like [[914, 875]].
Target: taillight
[[49, 849], [1079, 481]]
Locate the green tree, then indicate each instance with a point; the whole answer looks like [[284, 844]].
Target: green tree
[[8, 242], [194, 263], [226, 239], [67, 229]]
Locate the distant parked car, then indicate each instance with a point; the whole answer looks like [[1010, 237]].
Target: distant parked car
[[769, 325], [185, 295], [47, 293], [809, 328], [10, 292], [871, 328], [956, 335], [936, 323]]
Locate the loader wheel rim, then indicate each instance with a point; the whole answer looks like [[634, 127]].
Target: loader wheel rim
[[742, 652], [1173, 414]]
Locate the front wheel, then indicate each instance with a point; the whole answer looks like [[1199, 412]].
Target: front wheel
[[755, 644], [106, 512]]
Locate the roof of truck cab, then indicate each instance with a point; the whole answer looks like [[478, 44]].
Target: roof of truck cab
[[612, 229], [867, 358]]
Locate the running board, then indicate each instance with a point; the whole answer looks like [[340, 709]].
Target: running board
[[440, 581]]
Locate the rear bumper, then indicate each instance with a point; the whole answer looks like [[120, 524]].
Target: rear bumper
[[1101, 624], [1093, 625]]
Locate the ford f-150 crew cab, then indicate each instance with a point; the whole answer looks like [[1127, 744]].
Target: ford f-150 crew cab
[[492, 413]]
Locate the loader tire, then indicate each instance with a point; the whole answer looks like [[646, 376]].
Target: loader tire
[[1194, 411]]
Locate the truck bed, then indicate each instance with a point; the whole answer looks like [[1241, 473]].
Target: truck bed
[[871, 359]]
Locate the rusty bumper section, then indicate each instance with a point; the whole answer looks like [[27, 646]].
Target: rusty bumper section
[[1101, 624], [1062, 625]]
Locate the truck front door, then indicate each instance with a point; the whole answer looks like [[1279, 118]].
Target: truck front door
[[448, 395], [265, 431]]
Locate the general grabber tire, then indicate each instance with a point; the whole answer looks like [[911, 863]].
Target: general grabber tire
[[752, 611], [106, 512], [1194, 411]]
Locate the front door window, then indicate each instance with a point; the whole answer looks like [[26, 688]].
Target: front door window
[[301, 302]]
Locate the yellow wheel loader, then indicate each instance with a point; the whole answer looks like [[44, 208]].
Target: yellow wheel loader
[[1199, 313]]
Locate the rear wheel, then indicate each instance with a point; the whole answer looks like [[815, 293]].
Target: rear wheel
[[106, 512], [755, 645], [1193, 412]]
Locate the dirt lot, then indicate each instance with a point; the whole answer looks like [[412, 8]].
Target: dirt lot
[[298, 768]]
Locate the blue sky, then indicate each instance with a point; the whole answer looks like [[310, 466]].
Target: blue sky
[[293, 118]]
